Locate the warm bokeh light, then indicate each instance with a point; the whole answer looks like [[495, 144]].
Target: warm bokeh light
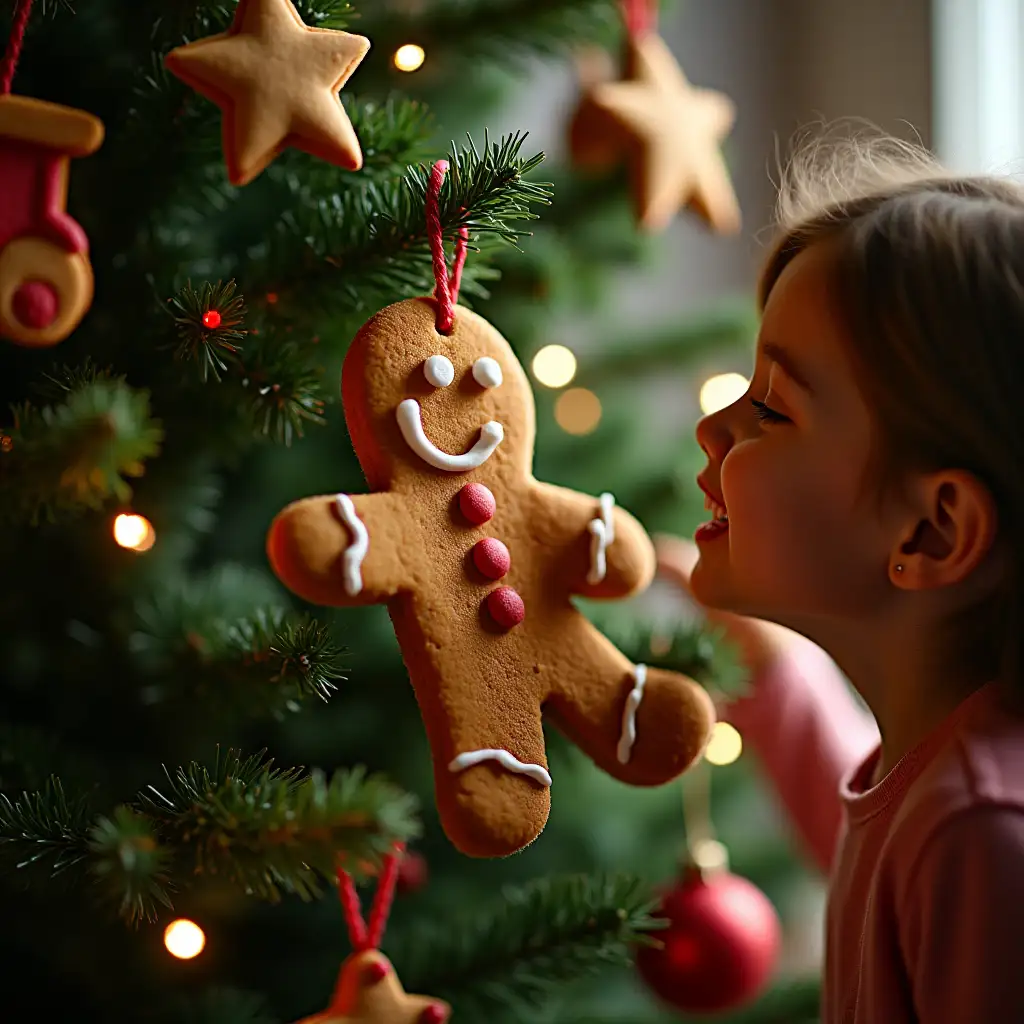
[[134, 532], [721, 390], [725, 745], [578, 411], [184, 939], [409, 57], [554, 366]]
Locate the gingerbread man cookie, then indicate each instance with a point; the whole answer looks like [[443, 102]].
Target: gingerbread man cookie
[[369, 992], [477, 562]]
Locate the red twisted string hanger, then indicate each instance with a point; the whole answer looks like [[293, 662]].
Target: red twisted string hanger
[[22, 9], [446, 289], [365, 936], [640, 16]]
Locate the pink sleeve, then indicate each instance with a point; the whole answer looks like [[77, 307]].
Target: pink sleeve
[[807, 729], [962, 921]]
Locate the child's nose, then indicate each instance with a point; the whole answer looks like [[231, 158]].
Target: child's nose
[[715, 433]]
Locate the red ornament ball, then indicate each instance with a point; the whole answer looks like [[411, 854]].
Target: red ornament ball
[[477, 503], [720, 947], [491, 557], [506, 607], [211, 319], [412, 873]]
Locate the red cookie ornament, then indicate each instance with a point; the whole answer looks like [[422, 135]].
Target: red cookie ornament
[[484, 656], [46, 281]]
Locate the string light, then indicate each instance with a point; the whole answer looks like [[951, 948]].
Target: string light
[[211, 319], [6, 443], [184, 939], [134, 532], [554, 366], [721, 390], [578, 411], [725, 745], [409, 57]]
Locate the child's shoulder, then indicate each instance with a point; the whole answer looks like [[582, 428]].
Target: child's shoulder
[[975, 776]]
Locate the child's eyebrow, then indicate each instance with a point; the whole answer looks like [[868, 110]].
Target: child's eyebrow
[[789, 366]]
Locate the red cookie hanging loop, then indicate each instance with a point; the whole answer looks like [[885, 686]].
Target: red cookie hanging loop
[[640, 16], [446, 289], [361, 935]]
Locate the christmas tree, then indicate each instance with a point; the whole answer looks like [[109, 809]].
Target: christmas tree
[[169, 370]]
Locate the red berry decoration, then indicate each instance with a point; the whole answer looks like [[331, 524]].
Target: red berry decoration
[[491, 557], [506, 607], [412, 873], [211, 319], [720, 947]]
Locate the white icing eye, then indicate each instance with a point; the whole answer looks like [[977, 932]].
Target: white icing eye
[[487, 372], [439, 371]]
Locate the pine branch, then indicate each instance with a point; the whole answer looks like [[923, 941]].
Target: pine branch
[[74, 454], [272, 386], [701, 652], [270, 831], [352, 249], [265, 830], [502, 31], [508, 961], [221, 639]]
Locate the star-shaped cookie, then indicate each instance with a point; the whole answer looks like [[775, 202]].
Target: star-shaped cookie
[[672, 132], [369, 992], [277, 82]]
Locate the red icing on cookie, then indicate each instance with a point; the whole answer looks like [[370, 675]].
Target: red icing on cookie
[[506, 607], [477, 503], [374, 972], [491, 557]]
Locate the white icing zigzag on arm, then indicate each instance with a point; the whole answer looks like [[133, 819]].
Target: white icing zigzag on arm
[[411, 425], [354, 554], [603, 533], [505, 759], [628, 736]]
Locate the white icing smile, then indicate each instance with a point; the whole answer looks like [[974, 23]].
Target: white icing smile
[[411, 425]]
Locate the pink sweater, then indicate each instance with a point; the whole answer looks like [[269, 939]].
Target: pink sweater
[[926, 897]]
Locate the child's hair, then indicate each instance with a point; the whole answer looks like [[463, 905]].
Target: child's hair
[[929, 278]]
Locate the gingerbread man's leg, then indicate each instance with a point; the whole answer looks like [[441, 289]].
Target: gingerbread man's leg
[[642, 725], [491, 775]]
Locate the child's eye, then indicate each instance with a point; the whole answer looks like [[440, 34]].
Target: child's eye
[[766, 414]]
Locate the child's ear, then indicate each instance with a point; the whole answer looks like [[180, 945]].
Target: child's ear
[[955, 530]]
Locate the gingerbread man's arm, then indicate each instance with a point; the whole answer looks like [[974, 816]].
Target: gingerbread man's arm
[[343, 549], [598, 549]]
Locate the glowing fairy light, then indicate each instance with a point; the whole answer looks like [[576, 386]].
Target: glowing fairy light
[[409, 57], [721, 390], [554, 366], [134, 532], [725, 745], [184, 939], [578, 411]]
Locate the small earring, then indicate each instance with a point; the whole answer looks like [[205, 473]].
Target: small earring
[[899, 568]]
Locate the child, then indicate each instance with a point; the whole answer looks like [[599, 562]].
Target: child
[[868, 493]]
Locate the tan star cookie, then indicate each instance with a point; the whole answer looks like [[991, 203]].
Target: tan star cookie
[[671, 132], [277, 82], [369, 992]]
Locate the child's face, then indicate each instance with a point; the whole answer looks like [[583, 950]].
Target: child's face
[[801, 545]]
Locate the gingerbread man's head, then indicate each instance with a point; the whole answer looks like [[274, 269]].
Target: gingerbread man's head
[[415, 398]]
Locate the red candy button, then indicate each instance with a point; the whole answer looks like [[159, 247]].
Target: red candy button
[[491, 557], [435, 1013], [506, 607], [477, 503]]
